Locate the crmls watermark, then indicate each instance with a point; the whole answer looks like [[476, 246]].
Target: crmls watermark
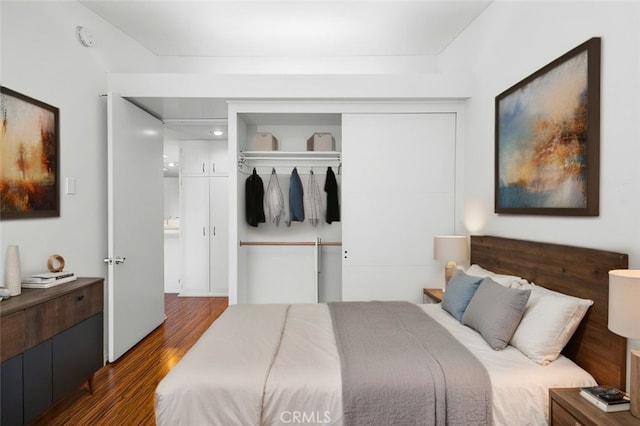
[[302, 417]]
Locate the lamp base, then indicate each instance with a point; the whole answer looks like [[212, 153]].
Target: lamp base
[[635, 383], [449, 269]]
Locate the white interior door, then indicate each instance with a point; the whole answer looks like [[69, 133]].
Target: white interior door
[[136, 254]]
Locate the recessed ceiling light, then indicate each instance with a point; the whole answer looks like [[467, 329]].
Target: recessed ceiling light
[[218, 132]]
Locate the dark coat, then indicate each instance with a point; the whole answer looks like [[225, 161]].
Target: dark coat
[[296, 197], [331, 188], [254, 199]]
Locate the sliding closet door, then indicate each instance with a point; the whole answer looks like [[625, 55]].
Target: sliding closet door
[[397, 193]]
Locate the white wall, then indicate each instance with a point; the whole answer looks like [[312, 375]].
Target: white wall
[[512, 40], [42, 58], [507, 43]]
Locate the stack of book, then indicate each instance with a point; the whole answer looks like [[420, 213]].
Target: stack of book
[[606, 398], [48, 279]]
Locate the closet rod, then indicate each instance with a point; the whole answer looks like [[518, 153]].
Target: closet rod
[[290, 243], [245, 159]]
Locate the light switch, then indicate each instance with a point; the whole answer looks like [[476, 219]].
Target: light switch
[[70, 184]]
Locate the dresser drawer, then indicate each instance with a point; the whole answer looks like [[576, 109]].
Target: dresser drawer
[[50, 318], [12, 335]]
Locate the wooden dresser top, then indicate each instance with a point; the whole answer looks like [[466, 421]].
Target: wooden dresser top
[[31, 297]]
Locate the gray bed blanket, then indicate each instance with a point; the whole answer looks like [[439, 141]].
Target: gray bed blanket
[[401, 367]]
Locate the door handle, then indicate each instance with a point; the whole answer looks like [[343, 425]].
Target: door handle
[[110, 261]]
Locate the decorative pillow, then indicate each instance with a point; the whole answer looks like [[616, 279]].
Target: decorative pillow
[[511, 281], [459, 291], [548, 323], [495, 312]]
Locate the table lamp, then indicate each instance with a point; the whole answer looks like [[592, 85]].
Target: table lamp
[[624, 320], [450, 249]]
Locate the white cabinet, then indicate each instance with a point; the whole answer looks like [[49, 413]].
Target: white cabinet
[[204, 218], [194, 235], [204, 236], [203, 157], [397, 193]]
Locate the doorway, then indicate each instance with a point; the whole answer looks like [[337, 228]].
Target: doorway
[[179, 133]]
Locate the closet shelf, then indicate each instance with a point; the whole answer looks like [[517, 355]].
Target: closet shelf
[[290, 155]]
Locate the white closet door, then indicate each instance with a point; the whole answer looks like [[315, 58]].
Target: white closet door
[[397, 193], [218, 157], [219, 236], [194, 158], [194, 235], [204, 157]]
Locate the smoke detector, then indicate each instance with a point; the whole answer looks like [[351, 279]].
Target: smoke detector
[[84, 36]]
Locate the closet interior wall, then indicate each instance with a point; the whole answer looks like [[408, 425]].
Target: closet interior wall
[[287, 273]]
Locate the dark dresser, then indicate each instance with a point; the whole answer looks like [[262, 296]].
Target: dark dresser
[[51, 342]]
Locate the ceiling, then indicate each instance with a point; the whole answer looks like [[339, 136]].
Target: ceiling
[[268, 28]]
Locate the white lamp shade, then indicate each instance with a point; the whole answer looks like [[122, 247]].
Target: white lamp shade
[[448, 248], [624, 302]]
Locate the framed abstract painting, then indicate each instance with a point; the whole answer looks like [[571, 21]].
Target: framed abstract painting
[[29, 162], [547, 138]]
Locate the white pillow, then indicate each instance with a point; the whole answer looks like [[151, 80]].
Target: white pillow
[[549, 321], [510, 281]]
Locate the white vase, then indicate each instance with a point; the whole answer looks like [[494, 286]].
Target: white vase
[[13, 276]]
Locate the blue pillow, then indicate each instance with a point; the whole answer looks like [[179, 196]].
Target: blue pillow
[[460, 289]]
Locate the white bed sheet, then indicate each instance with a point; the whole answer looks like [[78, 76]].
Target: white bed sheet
[[216, 384], [515, 403]]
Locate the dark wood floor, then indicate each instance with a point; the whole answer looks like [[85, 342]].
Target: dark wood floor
[[123, 391]]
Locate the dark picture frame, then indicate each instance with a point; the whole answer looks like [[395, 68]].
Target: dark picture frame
[[29, 157], [547, 138]]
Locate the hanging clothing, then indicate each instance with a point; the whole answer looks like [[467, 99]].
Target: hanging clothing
[[296, 200], [254, 194], [313, 200], [274, 201], [331, 188]]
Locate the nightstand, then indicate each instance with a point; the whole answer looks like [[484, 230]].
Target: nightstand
[[567, 407], [431, 295]]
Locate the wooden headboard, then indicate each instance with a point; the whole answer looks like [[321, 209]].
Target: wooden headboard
[[577, 271]]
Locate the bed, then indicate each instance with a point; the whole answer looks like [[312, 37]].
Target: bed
[[283, 364]]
